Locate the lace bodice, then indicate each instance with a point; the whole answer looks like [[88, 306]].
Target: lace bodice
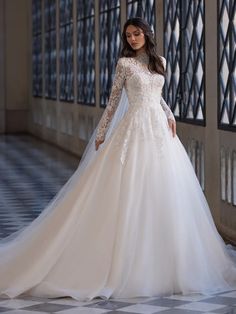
[[143, 89]]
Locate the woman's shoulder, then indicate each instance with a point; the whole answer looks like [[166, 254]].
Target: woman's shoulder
[[127, 60], [123, 61], [163, 59]]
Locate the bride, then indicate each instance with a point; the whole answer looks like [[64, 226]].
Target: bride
[[132, 220]]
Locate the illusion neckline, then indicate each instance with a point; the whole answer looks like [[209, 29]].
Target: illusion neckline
[[143, 57]]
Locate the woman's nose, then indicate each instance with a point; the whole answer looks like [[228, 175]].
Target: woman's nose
[[132, 38]]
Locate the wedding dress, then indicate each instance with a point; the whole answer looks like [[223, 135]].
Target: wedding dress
[[134, 222]]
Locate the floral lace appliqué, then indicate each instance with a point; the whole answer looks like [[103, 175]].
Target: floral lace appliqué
[[146, 118]]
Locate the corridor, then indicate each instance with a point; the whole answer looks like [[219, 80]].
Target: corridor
[[65, 66]]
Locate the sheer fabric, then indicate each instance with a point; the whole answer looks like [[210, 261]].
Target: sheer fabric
[[132, 220]]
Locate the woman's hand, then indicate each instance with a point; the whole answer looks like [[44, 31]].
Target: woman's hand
[[98, 143], [172, 126]]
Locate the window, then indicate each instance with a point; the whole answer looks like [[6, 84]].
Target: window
[[184, 51], [144, 9], [109, 45], [50, 49], [85, 52], [227, 64], [37, 48], [66, 51]]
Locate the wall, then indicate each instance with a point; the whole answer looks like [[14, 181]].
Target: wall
[[2, 66], [14, 58]]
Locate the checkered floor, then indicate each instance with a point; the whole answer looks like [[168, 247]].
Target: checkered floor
[[195, 304], [31, 172]]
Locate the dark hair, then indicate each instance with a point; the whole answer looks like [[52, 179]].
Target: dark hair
[[155, 62]]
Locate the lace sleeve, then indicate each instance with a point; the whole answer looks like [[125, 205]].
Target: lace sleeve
[[113, 102], [164, 105], [167, 110]]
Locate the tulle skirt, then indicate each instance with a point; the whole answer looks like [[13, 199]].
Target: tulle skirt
[[135, 223]]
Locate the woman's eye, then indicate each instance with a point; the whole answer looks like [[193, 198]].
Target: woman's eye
[[135, 34]]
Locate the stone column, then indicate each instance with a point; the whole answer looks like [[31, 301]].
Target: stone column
[[212, 166]]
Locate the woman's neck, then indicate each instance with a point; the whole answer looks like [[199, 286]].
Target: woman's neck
[[140, 51], [142, 57]]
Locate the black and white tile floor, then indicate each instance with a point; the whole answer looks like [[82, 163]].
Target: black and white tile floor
[[31, 172], [195, 304]]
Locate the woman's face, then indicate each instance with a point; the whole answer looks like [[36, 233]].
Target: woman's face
[[135, 37]]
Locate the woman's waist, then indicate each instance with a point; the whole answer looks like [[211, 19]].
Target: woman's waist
[[146, 107], [149, 101], [141, 113]]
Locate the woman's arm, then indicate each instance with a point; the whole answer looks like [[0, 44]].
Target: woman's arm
[[167, 110], [113, 101], [164, 105]]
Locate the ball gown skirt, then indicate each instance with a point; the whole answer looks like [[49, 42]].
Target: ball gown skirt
[[135, 224]]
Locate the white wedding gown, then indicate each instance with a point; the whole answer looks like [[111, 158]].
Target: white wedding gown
[[134, 223]]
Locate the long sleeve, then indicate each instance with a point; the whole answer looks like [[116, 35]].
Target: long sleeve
[[167, 110], [164, 105], [113, 102]]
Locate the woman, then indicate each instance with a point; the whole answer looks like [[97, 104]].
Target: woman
[[132, 221]]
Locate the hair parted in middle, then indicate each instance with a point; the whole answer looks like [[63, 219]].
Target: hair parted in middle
[[155, 62]]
